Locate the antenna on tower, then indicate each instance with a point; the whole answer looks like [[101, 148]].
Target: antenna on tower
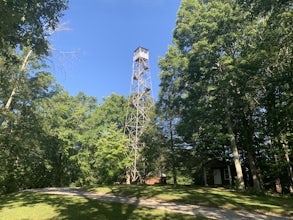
[[139, 103]]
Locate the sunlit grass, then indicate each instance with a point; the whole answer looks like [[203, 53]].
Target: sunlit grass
[[208, 196], [38, 206]]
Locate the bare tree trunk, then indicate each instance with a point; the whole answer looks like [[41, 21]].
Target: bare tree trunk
[[289, 167], [249, 135], [128, 177], [278, 185], [174, 171], [236, 158], [254, 172], [9, 101]]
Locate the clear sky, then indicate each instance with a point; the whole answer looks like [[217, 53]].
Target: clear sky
[[95, 55]]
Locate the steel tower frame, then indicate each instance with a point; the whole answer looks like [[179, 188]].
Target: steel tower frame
[[139, 103]]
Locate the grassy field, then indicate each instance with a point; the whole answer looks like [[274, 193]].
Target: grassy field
[[207, 196], [37, 206]]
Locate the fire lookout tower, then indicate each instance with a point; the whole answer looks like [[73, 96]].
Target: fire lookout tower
[[139, 103]]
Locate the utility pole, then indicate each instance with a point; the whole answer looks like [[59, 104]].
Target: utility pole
[[139, 103]]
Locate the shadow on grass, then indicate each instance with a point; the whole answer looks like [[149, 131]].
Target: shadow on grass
[[237, 200], [211, 197], [68, 207]]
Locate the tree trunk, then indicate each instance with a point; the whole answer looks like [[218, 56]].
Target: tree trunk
[[248, 137], [9, 101], [128, 177], [236, 159], [278, 185], [289, 167], [174, 171], [254, 172]]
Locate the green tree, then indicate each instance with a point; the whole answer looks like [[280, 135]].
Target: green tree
[[66, 125], [207, 35], [102, 124], [21, 130], [24, 28], [113, 110], [170, 95], [273, 59], [110, 157], [28, 23]]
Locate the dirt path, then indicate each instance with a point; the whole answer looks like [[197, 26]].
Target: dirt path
[[208, 212]]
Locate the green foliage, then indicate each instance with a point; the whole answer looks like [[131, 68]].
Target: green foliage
[[91, 146], [23, 86], [28, 23], [153, 152], [110, 157], [225, 82], [49, 138], [21, 139], [113, 110]]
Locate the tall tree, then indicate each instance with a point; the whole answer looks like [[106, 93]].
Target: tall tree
[[270, 61], [208, 36], [168, 105], [274, 61]]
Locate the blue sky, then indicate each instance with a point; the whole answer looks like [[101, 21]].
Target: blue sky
[[95, 54]]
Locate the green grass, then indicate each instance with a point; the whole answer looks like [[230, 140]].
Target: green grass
[[38, 206], [207, 196]]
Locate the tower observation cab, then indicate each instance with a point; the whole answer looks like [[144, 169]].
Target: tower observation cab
[[141, 66], [141, 53]]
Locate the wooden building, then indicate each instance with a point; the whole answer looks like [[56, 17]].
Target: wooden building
[[218, 173]]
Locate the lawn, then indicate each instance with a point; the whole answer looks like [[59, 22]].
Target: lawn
[[208, 196], [37, 206], [30, 206]]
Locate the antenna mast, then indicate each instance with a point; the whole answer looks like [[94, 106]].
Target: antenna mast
[[139, 103]]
